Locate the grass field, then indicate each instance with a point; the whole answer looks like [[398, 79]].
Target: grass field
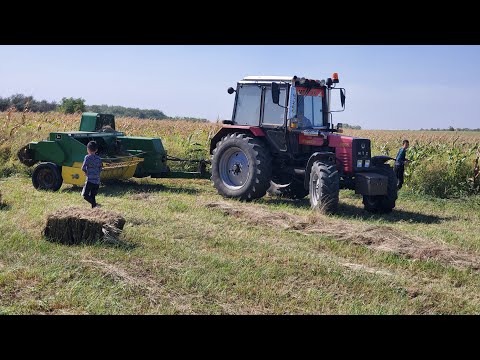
[[186, 250]]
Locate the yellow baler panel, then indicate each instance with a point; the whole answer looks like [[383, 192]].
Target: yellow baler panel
[[124, 170]]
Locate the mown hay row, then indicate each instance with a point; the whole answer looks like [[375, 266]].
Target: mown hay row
[[382, 238]]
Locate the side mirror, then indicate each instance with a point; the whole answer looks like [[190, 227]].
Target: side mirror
[[335, 105], [231, 90], [275, 93]]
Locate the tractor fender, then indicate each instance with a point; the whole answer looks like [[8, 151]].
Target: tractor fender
[[325, 156], [255, 131], [381, 159]]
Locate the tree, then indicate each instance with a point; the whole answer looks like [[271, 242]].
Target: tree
[[451, 128], [4, 104], [122, 111], [21, 102], [42, 106], [354, 127], [71, 105]]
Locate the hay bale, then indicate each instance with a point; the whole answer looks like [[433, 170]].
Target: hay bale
[[75, 225]]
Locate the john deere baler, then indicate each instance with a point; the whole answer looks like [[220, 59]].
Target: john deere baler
[[60, 157]]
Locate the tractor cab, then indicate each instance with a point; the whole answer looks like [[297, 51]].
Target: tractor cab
[[286, 101], [284, 107]]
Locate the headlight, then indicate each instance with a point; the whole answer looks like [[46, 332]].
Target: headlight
[[367, 163], [359, 163]]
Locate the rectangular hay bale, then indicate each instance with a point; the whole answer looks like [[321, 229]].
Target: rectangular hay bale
[[75, 225]]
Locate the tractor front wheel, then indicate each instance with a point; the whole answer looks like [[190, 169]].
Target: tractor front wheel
[[324, 187], [47, 176], [383, 203], [241, 167]]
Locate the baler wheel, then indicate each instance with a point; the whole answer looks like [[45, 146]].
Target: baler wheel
[[47, 176]]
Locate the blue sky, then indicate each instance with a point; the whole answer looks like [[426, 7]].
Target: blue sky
[[388, 87]]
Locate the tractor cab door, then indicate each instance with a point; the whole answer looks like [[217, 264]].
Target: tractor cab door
[[273, 118]]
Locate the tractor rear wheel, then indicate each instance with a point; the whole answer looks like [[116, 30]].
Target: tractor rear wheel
[[383, 203], [294, 190], [47, 176], [241, 167], [324, 187]]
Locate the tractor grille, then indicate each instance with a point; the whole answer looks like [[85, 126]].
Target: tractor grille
[[360, 152]]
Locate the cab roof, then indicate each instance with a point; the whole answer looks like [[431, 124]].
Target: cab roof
[[268, 78]]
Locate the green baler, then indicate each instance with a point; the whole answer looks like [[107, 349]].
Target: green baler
[[60, 157]]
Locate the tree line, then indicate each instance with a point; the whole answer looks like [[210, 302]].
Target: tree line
[[450, 128], [71, 105], [21, 103]]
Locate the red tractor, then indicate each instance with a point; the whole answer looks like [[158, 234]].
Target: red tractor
[[281, 138]]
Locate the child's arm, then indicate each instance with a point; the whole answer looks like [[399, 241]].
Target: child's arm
[[84, 165]]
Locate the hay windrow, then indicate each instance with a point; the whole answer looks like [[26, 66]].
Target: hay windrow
[[382, 238], [3, 205], [75, 225], [142, 196]]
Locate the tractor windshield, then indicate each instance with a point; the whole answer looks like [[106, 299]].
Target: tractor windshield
[[309, 108]]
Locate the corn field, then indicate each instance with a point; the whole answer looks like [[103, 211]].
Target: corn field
[[181, 138], [442, 163]]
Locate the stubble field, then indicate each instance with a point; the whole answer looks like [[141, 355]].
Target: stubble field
[[186, 250]]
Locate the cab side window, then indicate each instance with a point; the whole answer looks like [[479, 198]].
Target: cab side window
[[247, 111], [272, 113]]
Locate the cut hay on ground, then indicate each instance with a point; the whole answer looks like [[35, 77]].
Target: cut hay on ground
[[76, 225], [382, 238]]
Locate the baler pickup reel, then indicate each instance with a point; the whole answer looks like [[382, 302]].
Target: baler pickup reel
[[25, 156]]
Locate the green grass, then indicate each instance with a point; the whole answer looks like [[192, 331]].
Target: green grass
[[180, 256]]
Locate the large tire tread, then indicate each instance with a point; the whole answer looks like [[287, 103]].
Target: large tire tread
[[260, 179], [329, 187]]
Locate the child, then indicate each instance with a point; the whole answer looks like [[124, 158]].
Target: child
[[92, 166], [400, 162]]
